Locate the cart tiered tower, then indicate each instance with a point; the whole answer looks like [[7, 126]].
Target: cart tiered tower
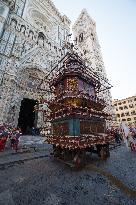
[[78, 122]]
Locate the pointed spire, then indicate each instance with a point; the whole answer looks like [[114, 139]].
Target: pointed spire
[[82, 15]]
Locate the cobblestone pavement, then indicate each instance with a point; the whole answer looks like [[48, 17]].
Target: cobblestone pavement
[[45, 181], [29, 147]]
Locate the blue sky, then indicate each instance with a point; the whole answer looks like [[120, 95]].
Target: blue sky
[[116, 29]]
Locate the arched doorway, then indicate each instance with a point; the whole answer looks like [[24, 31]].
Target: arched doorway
[[29, 87], [27, 116]]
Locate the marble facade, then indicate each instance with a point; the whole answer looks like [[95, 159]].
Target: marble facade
[[32, 38]]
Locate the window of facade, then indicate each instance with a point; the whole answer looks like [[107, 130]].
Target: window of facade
[[134, 118], [119, 103], [118, 115], [81, 37], [116, 109], [124, 102], [121, 108], [115, 104], [134, 99], [133, 112], [131, 106], [123, 119], [127, 114], [129, 119], [125, 107], [122, 115]]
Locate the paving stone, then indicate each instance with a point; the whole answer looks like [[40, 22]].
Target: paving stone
[[47, 181]]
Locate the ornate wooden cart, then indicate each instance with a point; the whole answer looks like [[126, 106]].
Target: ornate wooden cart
[[78, 122]]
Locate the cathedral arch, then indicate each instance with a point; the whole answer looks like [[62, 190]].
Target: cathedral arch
[[41, 38], [41, 35], [31, 34], [28, 86], [33, 67], [33, 71]]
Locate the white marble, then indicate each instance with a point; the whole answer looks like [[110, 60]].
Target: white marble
[[32, 42]]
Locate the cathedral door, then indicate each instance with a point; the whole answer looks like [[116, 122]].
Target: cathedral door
[[27, 116]]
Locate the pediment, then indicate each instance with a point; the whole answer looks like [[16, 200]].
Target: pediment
[[37, 57]]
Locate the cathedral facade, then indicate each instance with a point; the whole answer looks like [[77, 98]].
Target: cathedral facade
[[32, 38]]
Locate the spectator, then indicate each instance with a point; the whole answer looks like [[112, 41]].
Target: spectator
[[117, 137]]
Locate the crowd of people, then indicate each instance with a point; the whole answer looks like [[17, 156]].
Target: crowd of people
[[7, 132], [131, 139], [128, 137]]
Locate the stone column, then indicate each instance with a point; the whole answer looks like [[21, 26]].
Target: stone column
[[7, 89], [40, 122], [4, 11], [7, 92]]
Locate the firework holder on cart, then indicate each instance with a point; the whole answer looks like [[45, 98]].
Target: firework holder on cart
[[77, 116]]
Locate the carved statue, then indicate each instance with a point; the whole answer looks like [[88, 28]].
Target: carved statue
[[13, 24], [22, 29]]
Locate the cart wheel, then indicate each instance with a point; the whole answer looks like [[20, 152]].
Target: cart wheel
[[103, 151], [103, 154], [107, 150], [66, 154], [57, 151]]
